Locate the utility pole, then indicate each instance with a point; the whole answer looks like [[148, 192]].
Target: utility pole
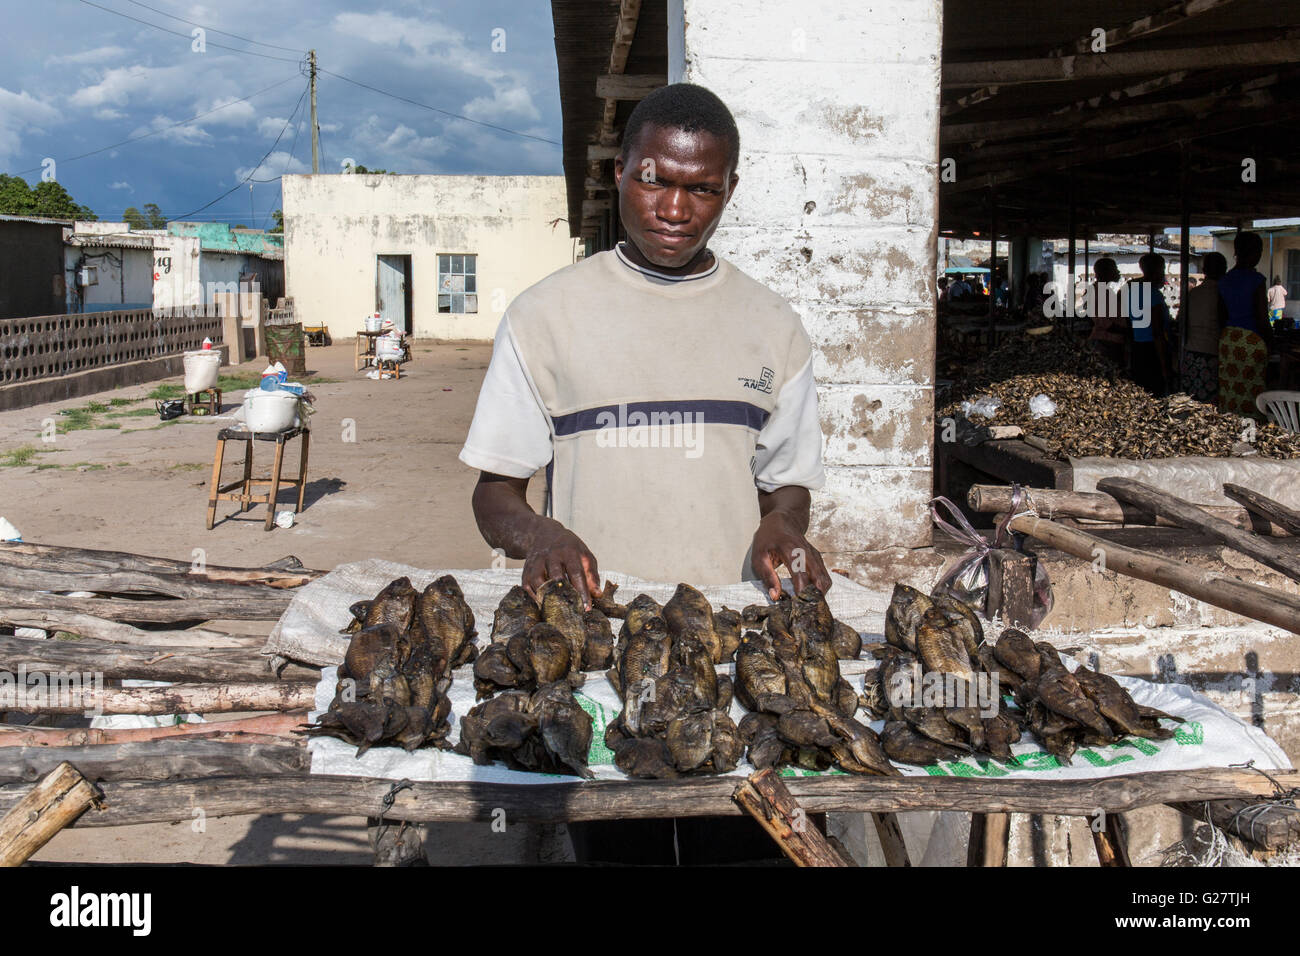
[[315, 140]]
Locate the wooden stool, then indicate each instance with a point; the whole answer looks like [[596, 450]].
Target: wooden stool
[[245, 496], [206, 402]]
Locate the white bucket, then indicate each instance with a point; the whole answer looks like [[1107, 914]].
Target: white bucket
[[201, 370], [388, 347], [270, 411], [374, 323]]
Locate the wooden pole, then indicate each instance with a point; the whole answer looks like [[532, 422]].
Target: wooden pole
[[114, 632], [1054, 503], [162, 611], [267, 729], [1194, 519], [156, 760], [115, 661], [1266, 508], [1011, 587], [43, 811], [176, 699], [1110, 841], [1184, 246], [764, 797], [891, 839], [64, 558], [1213, 587], [989, 835]]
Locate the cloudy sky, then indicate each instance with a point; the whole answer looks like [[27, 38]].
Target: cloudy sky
[[75, 78]]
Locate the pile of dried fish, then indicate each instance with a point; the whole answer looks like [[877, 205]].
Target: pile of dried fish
[[533, 646], [1099, 411], [545, 731], [934, 687], [674, 718], [392, 684], [788, 675], [1066, 709]]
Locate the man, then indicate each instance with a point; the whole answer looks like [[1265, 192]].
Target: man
[[669, 396]]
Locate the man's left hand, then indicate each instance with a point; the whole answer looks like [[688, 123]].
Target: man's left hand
[[778, 541]]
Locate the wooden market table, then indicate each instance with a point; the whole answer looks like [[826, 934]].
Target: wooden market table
[[258, 765], [365, 351]]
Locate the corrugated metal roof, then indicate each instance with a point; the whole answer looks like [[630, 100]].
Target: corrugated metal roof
[[219, 237]]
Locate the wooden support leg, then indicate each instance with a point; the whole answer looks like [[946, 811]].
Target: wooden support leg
[[275, 483], [395, 844], [58, 799], [247, 505], [891, 839], [1011, 587], [766, 799], [302, 467], [988, 839], [1110, 840], [215, 485]]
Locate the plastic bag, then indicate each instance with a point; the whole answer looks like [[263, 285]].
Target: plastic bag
[[1040, 406], [171, 408], [966, 577], [986, 406]]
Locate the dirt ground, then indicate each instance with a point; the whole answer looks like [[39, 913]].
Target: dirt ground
[[396, 491]]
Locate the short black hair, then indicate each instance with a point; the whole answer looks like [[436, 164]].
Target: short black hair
[[687, 107]]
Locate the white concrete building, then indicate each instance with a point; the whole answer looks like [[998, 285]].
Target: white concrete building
[[442, 256]]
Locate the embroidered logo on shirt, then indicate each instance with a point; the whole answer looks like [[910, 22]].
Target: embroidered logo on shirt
[[761, 384]]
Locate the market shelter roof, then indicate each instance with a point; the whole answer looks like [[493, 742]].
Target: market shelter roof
[[1201, 93]]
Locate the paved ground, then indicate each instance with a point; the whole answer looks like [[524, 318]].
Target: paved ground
[[396, 491]]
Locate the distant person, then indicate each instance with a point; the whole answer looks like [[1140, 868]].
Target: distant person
[[943, 288], [1109, 334], [1276, 301], [1247, 335], [960, 290], [1199, 321], [1001, 292], [1148, 317]]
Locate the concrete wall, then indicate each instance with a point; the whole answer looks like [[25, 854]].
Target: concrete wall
[[836, 209], [31, 269], [337, 225]]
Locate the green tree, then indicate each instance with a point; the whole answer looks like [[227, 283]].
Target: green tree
[[278, 216], [373, 172], [156, 219], [47, 199], [134, 218]]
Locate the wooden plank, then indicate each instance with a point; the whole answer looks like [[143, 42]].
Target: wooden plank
[[1110, 841], [764, 797], [1059, 503], [1192, 518], [1105, 65], [233, 697], [44, 810], [265, 729], [1212, 587], [1266, 508], [114, 632], [625, 86], [161, 611], [114, 661], [891, 839], [59, 557], [155, 760], [1011, 587], [127, 582], [162, 802]]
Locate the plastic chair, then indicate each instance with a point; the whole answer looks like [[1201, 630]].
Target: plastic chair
[[1281, 408]]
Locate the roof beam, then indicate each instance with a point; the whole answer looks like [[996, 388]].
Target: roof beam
[[1101, 65], [615, 86]]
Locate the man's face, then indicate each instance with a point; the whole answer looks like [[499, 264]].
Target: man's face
[[672, 190]]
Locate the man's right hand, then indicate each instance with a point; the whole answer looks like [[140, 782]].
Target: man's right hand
[[559, 553]]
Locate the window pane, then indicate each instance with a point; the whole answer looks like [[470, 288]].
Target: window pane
[[457, 283], [444, 283], [444, 264], [470, 264], [444, 303], [471, 303], [470, 283], [458, 264], [458, 303]]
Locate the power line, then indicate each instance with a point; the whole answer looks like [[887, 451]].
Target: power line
[[251, 171], [136, 139], [186, 36], [426, 106], [236, 36]]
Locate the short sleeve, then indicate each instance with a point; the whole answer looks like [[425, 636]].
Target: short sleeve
[[511, 431], [790, 443]]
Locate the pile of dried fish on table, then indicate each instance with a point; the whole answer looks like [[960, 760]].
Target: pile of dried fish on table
[[788, 676], [392, 684], [937, 685], [1064, 708], [674, 718], [1100, 412]]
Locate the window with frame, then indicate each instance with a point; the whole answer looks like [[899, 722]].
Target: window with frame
[[457, 284]]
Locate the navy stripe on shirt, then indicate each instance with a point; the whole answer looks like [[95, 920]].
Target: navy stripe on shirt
[[709, 411]]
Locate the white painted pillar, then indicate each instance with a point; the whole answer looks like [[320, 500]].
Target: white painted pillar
[[838, 109]]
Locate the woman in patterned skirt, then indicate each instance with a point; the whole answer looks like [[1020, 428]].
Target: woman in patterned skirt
[[1244, 344], [1199, 324]]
